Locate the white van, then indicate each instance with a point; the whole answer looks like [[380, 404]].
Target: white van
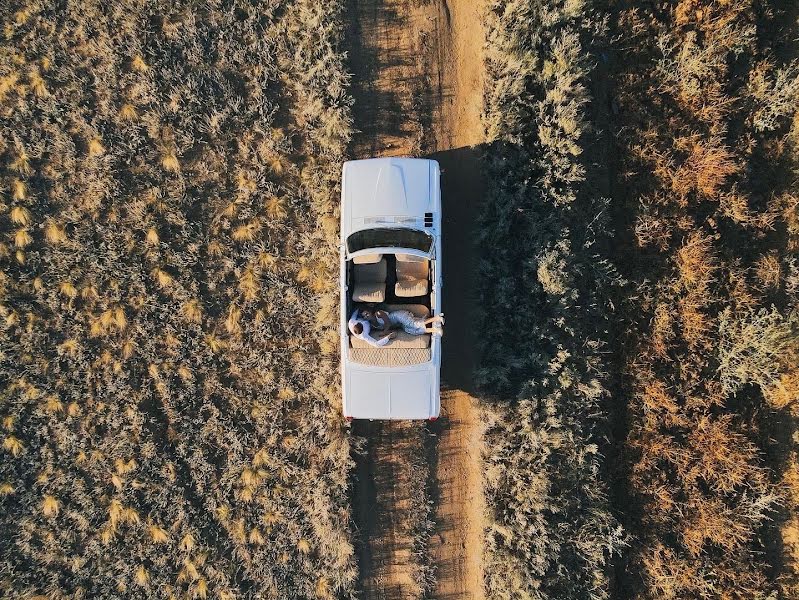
[[391, 260]]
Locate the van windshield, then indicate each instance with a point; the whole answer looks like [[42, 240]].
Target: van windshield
[[385, 237]]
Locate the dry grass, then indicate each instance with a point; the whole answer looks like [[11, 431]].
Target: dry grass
[[706, 169], [551, 534], [711, 368], [156, 441]]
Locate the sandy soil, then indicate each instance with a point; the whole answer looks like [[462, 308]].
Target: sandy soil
[[458, 143], [456, 546], [418, 86], [458, 74], [386, 480], [387, 40]]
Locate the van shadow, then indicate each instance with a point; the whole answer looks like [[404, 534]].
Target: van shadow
[[462, 198]]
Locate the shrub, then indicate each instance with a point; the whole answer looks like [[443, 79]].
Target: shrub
[[712, 342], [756, 347], [551, 533]]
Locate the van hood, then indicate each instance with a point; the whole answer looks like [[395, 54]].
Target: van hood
[[389, 395], [387, 192]]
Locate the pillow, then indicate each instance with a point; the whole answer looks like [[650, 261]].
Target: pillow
[[367, 259], [411, 288], [369, 292]]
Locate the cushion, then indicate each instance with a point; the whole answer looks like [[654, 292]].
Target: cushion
[[410, 288], [401, 340], [410, 258], [420, 310], [370, 272], [367, 259], [396, 358], [369, 291], [412, 269]]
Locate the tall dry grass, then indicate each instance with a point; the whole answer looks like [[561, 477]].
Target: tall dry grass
[[171, 422], [551, 532], [703, 116]]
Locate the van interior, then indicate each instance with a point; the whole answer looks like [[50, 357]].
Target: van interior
[[391, 282]]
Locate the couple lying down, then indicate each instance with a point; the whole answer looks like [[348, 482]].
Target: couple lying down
[[365, 320]]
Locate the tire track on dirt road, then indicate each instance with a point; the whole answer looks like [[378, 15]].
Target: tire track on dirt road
[[418, 87]]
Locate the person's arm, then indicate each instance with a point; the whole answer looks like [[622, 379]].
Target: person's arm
[[351, 323], [377, 343], [364, 335]]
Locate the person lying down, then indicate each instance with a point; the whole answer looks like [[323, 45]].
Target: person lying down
[[364, 320]]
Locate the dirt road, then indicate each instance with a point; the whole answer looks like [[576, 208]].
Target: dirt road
[[418, 85]]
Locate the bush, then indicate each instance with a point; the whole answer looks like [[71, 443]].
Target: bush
[[756, 348], [551, 532], [712, 339]]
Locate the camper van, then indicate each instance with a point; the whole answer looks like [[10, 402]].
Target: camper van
[[391, 261]]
